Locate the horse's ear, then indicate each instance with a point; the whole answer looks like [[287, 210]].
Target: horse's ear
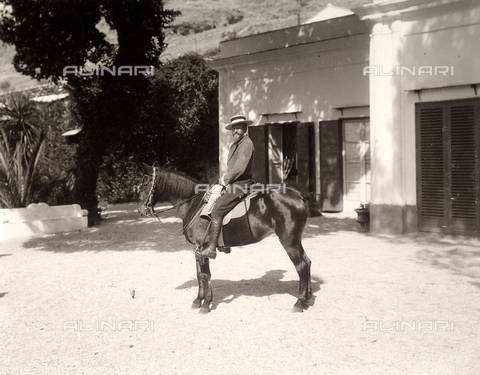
[[147, 168]]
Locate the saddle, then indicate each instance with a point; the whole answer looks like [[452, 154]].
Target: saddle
[[240, 210]]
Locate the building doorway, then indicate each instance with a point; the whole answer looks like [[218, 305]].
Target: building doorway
[[356, 160], [448, 149], [284, 153], [345, 173]]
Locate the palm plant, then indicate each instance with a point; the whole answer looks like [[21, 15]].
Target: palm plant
[[21, 141]]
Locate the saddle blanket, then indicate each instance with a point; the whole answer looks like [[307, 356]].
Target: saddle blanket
[[239, 210]]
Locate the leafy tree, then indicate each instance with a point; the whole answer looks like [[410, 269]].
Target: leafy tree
[[178, 128], [196, 105], [117, 178], [181, 116], [21, 141], [54, 176], [51, 35]]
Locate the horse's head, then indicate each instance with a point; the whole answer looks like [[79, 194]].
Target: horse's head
[[161, 184], [146, 190]]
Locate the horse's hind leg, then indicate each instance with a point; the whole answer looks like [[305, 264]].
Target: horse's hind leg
[[205, 292], [302, 264]]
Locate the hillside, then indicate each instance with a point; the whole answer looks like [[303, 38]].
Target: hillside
[[202, 25], [227, 19]]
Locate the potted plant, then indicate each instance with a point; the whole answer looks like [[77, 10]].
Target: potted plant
[[363, 215]]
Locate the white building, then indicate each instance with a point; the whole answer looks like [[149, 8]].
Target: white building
[[378, 107]]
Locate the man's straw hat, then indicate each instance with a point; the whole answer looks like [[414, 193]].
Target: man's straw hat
[[238, 119]]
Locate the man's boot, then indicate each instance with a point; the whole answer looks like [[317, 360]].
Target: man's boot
[[211, 250]]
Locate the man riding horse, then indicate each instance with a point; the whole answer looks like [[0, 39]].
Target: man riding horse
[[232, 184]]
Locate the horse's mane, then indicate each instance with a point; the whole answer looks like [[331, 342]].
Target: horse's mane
[[174, 184], [178, 185]]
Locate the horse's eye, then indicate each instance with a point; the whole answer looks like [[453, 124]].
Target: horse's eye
[[145, 180]]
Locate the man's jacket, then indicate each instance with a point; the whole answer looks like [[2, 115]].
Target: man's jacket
[[240, 161]]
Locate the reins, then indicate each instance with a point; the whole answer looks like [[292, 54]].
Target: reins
[[171, 208], [152, 208], [177, 205]]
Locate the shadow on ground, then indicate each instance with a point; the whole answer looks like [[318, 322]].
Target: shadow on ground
[[226, 291], [458, 254], [121, 229], [330, 224], [459, 259], [124, 230]]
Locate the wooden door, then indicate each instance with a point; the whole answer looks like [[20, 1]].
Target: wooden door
[[304, 162], [258, 135], [270, 142], [331, 166], [448, 167], [357, 176], [275, 154]]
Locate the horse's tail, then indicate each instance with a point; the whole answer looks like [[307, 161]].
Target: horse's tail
[[309, 200]]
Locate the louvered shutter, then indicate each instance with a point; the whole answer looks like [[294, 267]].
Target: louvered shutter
[[431, 167], [303, 156], [258, 135], [447, 167], [331, 166], [463, 168]]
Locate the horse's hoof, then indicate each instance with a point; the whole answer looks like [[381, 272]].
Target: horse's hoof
[[204, 310], [297, 309], [300, 306], [195, 305]]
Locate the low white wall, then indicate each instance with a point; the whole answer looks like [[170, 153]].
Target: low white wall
[[40, 218]]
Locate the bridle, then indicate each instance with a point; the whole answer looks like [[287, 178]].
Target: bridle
[[149, 209], [149, 206]]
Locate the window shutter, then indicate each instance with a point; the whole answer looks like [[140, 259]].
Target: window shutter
[[448, 166], [431, 165], [303, 157], [331, 166], [463, 174], [258, 135], [463, 163]]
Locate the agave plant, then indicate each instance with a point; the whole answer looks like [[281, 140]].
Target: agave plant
[[21, 141]]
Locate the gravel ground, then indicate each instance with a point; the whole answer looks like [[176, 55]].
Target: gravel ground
[[59, 292]]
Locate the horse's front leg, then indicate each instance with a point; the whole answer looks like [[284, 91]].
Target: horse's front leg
[[197, 303], [206, 276], [205, 292]]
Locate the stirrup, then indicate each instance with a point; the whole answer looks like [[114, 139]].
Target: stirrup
[[225, 249], [204, 253]]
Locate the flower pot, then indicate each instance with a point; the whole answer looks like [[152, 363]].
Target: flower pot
[[363, 216]]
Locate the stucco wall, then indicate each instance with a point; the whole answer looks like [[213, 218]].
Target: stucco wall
[[322, 71], [443, 36], [39, 219], [432, 34], [313, 75]]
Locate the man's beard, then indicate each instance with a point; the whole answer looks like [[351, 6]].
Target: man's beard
[[236, 138]]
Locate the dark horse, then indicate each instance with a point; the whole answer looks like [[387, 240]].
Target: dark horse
[[283, 211]]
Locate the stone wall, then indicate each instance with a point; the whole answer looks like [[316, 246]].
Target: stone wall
[[39, 218]]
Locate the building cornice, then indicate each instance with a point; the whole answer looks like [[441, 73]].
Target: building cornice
[[397, 7], [294, 52]]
